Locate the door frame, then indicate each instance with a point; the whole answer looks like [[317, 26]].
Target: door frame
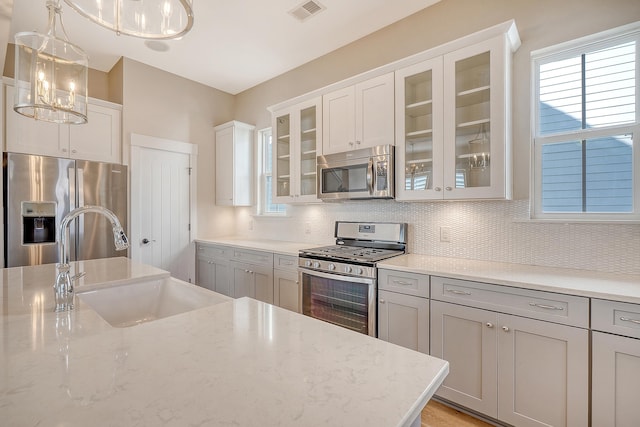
[[139, 142]]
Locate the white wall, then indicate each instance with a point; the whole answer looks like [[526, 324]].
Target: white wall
[[485, 230], [160, 104]]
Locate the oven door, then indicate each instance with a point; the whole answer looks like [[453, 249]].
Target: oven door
[[346, 301]]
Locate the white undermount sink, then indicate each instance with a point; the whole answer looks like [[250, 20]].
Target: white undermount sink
[[133, 303]]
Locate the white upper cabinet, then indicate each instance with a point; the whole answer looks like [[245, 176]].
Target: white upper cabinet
[[359, 116], [99, 139], [234, 164], [297, 132], [453, 124]]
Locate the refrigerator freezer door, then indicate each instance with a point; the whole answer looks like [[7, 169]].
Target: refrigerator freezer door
[[101, 184], [34, 183]]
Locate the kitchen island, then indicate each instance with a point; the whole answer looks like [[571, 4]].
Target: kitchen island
[[239, 362]]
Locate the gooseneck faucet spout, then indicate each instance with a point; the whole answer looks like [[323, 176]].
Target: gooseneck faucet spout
[[63, 286]]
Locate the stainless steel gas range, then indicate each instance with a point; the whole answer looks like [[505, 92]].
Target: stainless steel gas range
[[339, 282]]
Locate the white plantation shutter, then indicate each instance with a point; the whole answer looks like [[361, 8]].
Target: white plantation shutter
[[586, 123]]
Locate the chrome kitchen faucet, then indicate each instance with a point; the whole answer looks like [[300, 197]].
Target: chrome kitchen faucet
[[63, 286]]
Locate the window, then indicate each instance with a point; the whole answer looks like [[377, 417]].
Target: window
[[265, 204], [585, 165]]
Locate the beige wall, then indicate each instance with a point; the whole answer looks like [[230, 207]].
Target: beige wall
[[540, 23], [160, 104]]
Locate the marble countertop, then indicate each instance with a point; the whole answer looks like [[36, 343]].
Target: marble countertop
[[275, 246], [240, 362], [592, 284]]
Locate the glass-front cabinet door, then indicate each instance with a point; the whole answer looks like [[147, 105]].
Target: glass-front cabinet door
[[282, 156], [476, 101], [298, 132], [419, 131], [308, 142]]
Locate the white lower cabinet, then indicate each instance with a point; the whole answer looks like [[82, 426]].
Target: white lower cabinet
[[286, 284], [615, 364], [252, 281], [212, 268], [403, 309], [519, 370]]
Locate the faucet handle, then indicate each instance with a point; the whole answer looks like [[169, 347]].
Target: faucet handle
[[78, 276]]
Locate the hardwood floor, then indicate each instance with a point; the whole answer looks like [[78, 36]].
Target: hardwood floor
[[436, 414]]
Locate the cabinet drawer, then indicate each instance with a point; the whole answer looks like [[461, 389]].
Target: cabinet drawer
[[616, 317], [211, 251], [253, 257], [558, 308], [285, 262], [404, 283]]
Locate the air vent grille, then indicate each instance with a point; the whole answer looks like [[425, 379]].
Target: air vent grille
[[306, 10]]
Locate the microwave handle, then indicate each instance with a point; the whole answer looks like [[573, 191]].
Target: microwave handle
[[370, 176]]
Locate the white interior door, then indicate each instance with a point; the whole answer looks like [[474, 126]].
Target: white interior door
[[161, 204]]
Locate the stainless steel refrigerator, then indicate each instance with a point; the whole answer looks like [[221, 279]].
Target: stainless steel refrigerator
[[39, 191]]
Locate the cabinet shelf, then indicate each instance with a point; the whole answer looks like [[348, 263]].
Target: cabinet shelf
[[419, 109], [474, 91], [284, 177], [472, 123], [419, 133], [309, 174], [284, 157], [283, 137], [308, 131], [417, 161]]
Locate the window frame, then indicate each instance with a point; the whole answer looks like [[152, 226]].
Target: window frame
[[263, 201], [565, 51]]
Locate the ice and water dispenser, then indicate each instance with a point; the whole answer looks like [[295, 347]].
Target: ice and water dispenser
[[38, 222]]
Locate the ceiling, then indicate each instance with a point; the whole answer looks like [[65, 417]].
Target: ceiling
[[234, 45]]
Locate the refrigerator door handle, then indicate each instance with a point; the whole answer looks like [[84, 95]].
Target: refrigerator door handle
[[80, 219]]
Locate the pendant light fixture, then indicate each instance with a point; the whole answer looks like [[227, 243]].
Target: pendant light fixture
[[51, 74], [148, 19]]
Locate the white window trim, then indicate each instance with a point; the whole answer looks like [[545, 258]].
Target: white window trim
[[261, 184], [563, 51]]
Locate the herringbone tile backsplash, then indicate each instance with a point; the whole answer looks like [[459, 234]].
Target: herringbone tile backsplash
[[486, 230]]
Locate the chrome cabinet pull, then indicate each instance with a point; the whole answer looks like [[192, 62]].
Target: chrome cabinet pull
[[548, 307], [382, 301], [489, 325], [505, 328], [626, 319], [438, 189], [448, 188], [403, 283], [457, 292]]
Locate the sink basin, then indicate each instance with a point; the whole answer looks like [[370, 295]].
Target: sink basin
[[130, 304]]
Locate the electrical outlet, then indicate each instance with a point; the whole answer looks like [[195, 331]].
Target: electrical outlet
[[307, 228], [250, 225], [445, 234]]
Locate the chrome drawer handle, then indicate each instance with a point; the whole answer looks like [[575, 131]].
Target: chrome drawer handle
[[548, 307], [457, 292], [626, 319], [489, 325], [400, 282]]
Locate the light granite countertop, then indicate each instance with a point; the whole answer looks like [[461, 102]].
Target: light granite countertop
[[275, 246], [586, 283], [240, 362]]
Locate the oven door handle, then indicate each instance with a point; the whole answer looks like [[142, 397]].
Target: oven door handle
[[333, 276]]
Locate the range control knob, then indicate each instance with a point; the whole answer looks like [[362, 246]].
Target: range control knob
[[308, 263], [358, 270], [332, 266], [347, 269], [316, 264]]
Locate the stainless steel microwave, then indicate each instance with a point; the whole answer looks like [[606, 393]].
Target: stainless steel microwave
[[366, 173]]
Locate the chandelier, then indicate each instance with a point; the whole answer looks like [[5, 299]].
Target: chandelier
[[51, 74], [149, 19]]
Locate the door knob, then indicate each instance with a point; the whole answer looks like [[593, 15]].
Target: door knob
[[146, 241]]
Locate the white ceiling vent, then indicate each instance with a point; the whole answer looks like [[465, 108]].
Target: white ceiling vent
[[306, 10]]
